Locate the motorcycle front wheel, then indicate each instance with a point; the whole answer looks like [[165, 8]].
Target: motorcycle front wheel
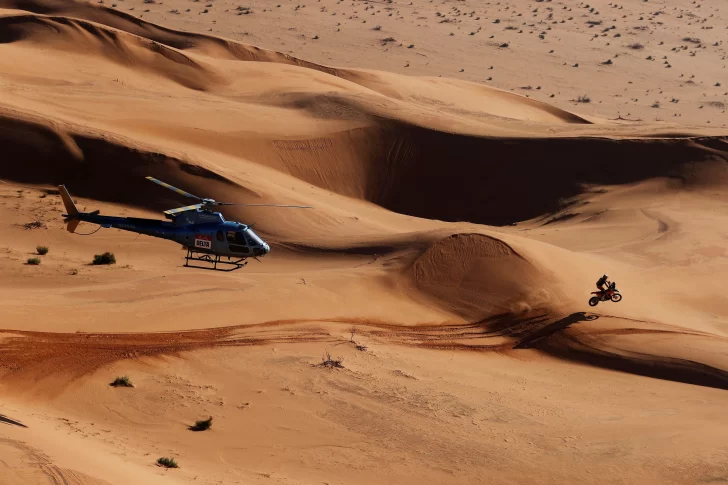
[[593, 301], [616, 297]]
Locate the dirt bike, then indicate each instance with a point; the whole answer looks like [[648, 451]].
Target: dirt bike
[[610, 294]]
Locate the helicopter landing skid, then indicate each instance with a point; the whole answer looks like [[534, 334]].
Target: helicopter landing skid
[[213, 259]]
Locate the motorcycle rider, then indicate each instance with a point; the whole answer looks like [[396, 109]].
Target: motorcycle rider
[[603, 284]]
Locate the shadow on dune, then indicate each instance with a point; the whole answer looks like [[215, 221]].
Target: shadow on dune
[[501, 181], [97, 168], [554, 327], [5, 420], [574, 349]]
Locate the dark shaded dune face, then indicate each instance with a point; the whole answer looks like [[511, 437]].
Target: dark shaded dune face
[[498, 181], [22, 27], [476, 277], [450, 177], [96, 168]]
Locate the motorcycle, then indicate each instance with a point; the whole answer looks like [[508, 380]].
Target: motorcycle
[[610, 294]]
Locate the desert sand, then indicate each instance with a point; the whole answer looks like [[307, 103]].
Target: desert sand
[[462, 214]]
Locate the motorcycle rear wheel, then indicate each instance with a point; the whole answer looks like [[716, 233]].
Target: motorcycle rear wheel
[[593, 301]]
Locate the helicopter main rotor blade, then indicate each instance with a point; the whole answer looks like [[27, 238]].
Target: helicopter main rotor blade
[[171, 187], [267, 205], [182, 209]]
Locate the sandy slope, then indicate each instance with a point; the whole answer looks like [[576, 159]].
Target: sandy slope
[[458, 229], [564, 45]]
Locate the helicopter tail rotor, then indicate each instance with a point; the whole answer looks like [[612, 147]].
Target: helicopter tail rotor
[[71, 208], [72, 224], [72, 212]]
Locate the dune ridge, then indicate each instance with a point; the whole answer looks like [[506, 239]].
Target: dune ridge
[[376, 164], [375, 161]]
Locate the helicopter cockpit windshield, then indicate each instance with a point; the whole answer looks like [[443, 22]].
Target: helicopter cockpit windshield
[[253, 238], [244, 240]]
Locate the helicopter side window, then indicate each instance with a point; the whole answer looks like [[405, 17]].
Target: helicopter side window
[[220, 236], [235, 237]]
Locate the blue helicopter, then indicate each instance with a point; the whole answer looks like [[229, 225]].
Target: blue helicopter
[[207, 236]]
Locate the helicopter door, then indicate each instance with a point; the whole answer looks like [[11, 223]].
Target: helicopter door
[[236, 242]]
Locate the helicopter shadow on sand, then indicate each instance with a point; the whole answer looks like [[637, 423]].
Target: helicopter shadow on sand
[[557, 326]]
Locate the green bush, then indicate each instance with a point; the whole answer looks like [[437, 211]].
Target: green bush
[[122, 382], [167, 463], [42, 250], [106, 258], [34, 261]]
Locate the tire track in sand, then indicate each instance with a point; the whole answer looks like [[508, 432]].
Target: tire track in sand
[[38, 355]]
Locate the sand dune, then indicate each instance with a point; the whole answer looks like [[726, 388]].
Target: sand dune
[[456, 234]]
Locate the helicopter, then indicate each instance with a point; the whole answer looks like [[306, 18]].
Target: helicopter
[[206, 235]]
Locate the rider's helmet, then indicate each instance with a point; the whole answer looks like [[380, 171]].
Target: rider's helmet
[[605, 275]]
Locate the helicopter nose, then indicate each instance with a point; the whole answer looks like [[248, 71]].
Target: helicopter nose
[[262, 250]]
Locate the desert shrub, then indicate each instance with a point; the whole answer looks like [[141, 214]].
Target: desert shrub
[[636, 46], [122, 382], [34, 261], [106, 258], [327, 361], [42, 250], [583, 99], [202, 424], [167, 462], [34, 225]]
